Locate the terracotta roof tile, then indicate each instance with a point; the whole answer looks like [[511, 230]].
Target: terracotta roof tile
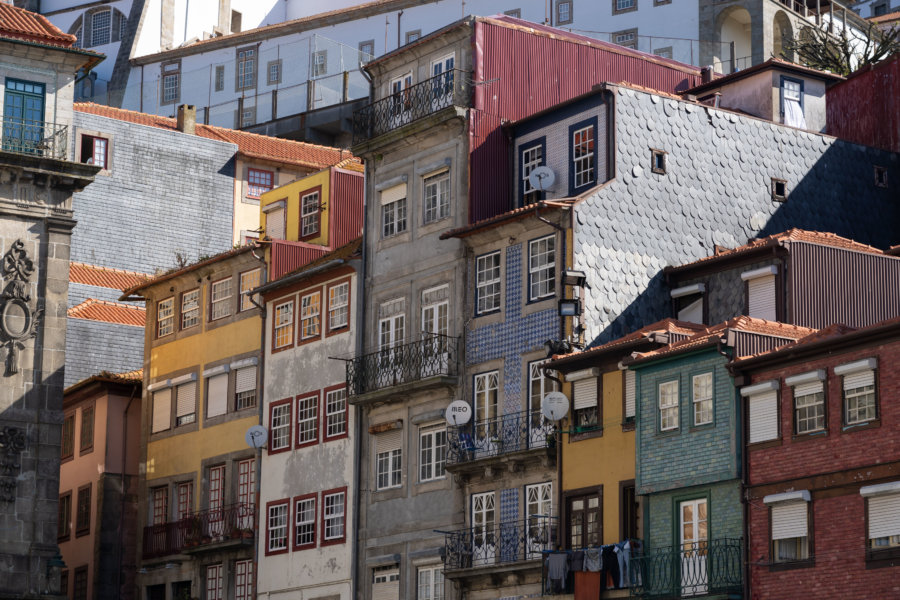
[[109, 312], [18, 23], [137, 375], [116, 279], [132, 377], [250, 145], [512, 215], [886, 18], [172, 273]]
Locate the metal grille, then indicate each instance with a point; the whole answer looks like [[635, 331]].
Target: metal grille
[[499, 543], [696, 569], [497, 436], [408, 363]]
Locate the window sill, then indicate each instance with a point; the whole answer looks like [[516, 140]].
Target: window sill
[[792, 565], [805, 437], [874, 423], [766, 444], [587, 434], [388, 494], [702, 427], [628, 425], [882, 558]]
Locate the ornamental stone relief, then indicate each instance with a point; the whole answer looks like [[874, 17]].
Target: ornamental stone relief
[[19, 321]]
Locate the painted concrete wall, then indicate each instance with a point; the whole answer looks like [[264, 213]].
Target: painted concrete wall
[[292, 192], [246, 208]]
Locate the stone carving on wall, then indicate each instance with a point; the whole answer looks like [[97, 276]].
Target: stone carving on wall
[[18, 319], [12, 442]]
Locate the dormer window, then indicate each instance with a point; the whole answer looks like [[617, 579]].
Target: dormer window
[[689, 304], [792, 103], [761, 297]]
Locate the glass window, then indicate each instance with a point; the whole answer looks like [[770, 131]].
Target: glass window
[[625, 4], [185, 496], [338, 306], [626, 38], [809, 409], [87, 429], [532, 158], [94, 150], [366, 50], [668, 405], [541, 268], [307, 420], [859, 398], [249, 280], [274, 72], [284, 324], [190, 309], [393, 218], [246, 68], [221, 299], [243, 580], [437, 197], [703, 399], [171, 82], [432, 452], [220, 78], [335, 413], [214, 582], [430, 583], [333, 527], [310, 315], [165, 317], [487, 290], [259, 182], [159, 505], [387, 470], [309, 214], [584, 521], [101, 25], [563, 12], [68, 436], [245, 387], [280, 426], [83, 511], [583, 155], [64, 516], [305, 524], [320, 63], [277, 527]]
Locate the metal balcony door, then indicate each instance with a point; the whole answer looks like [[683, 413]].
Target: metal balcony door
[[401, 101], [442, 73], [391, 331], [539, 386], [23, 116], [484, 536], [434, 334], [216, 501], [246, 492], [538, 507], [694, 540]]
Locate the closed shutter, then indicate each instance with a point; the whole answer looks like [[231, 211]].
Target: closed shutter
[[884, 516], [693, 312], [398, 192], [162, 410], [245, 380], [789, 520], [585, 393], [859, 379], [629, 394], [761, 292], [275, 224], [389, 440], [186, 399], [763, 416], [805, 389], [217, 395], [387, 590]]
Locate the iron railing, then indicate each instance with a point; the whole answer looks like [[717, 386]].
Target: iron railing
[[689, 570], [433, 356], [450, 88], [35, 138], [499, 543], [233, 522], [497, 436]]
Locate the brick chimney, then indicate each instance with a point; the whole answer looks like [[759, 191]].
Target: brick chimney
[[187, 118]]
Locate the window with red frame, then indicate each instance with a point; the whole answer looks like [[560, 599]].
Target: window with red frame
[[185, 498], [259, 182], [94, 150], [307, 420], [305, 522], [280, 426], [335, 413], [160, 505]]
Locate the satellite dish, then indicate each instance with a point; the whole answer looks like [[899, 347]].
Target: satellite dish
[[458, 413], [542, 178], [555, 406], [256, 436]]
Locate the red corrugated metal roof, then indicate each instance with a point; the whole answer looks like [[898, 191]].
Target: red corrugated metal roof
[[109, 312], [18, 23], [865, 108], [117, 279]]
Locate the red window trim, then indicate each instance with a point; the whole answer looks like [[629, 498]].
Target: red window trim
[[300, 236], [328, 331], [297, 499], [287, 503], [275, 305], [272, 406], [299, 317], [324, 413], [90, 139], [271, 175], [343, 538], [318, 396]]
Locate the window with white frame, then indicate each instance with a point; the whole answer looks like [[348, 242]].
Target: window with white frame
[[320, 63], [333, 507], [366, 50], [245, 387], [393, 218], [249, 280], [792, 103], [246, 68], [335, 413], [563, 12], [882, 514], [583, 156], [435, 311], [284, 324], [243, 580], [101, 26], [310, 321], [190, 308], [539, 385], [487, 282], [220, 297], [280, 426], [858, 383], [809, 401], [165, 317], [259, 182], [214, 582], [388, 460], [484, 400], [541, 268], [532, 158], [789, 524], [629, 391], [668, 406], [273, 72], [430, 582], [432, 452], [186, 403], [585, 399], [277, 527], [307, 420], [437, 197], [703, 398], [338, 306], [305, 522], [309, 214]]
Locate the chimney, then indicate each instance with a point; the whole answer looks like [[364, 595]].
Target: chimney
[[706, 74], [187, 118]]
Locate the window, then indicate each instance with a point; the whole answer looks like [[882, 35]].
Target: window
[[388, 461], [277, 527], [532, 158], [246, 68], [68, 437], [882, 507], [249, 280], [335, 413], [563, 12], [214, 582], [437, 197], [703, 399], [162, 410], [628, 38], [165, 317], [243, 580], [284, 324], [185, 497], [629, 396], [245, 387], [762, 409], [259, 182], [310, 322], [487, 278], [101, 26], [186, 403], [792, 103], [513, 12], [159, 505], [809, 401], [761, 293], [83, 511], [584, 524], [320, 63], [307, 420], [485, 390], [366, 50], [386, 582], [858, 379], [789, 522], [246, 490], [79, 591], [94, 150], [412, 36], [393, 219], [585, 403], [190, 308], [658, 161], [432, 452], [305, 522], [629, 510], [582, 157], [668, 406], [87, 429], [247, 116], [171, 83], [216, 494], [220, 78], [881, 176], [275, 220], [333, 506], [338, 306], [620, 6], [309, 215], [430, 583], [779, 190], [541, 268], [64, 517], [221, 299], [273, 72], [280, 426], [64, 576]]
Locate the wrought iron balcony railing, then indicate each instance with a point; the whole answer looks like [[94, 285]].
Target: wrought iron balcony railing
[[695, 569], [497, 436], [233, 522], [450, 88], [436, 355], [35, 138], [499, 543]]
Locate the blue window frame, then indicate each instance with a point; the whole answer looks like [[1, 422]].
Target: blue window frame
[[23, 116], [531, 155], [583, 163]]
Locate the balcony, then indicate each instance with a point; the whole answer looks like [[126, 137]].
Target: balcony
[[509, 436], [690, 570], [511, 545], [430, 362], [410, 105], [35, 138], [205, 530]]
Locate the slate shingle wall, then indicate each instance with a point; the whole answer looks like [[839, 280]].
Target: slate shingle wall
[[724, 295], [79, 292], [94, 346]]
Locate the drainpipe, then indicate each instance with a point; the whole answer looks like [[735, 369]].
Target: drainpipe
[[121, 531], [260, 399]]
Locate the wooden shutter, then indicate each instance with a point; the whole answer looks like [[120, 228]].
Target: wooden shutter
[[217, 395], [789, 520], [585, 393], [162, 410], [693, 312], [761, 297], [275, 224], [629, 393], [389, 440], [186, 399], [859, 379], [763, 416], [805, 389], [245, 379], [884, 516]]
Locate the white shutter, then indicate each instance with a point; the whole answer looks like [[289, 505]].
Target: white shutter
[[185, 399], [275, 224], [884, 516], [789, 520], [859, 379], [389, 440], [585, 393], [805, 389], [693, 312], [217, 395], [245, 380], [763, 416], [392, 194], [629, 394], [761, 293], [388, 590], [162, 410]]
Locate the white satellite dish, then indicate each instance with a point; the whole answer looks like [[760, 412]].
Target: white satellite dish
[[458, 413], [256, 436], [542, 178], [555, 406]]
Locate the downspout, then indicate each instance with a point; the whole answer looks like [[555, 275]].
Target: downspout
[[121, 531], [260, 396], [141, 102], [399, 16]]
